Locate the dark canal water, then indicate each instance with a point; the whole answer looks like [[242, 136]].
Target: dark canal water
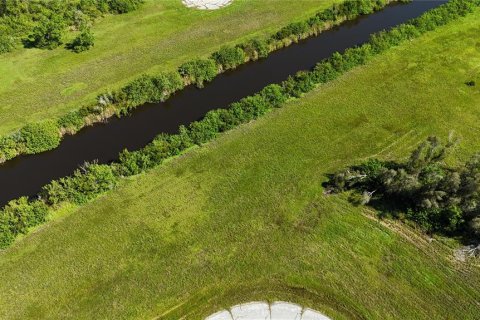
[[25, 175]]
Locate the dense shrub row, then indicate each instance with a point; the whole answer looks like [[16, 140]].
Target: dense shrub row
[[91, 180], [43, 23], [197, 72], [33, 138], [437, 197], [340, 11]]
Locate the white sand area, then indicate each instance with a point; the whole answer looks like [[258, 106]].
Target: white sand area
[[206, 4], [264, 311]]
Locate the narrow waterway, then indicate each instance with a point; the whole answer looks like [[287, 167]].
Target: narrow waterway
[[25, 175]]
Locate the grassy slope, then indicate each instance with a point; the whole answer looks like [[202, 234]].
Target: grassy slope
[[36, 84], [244, 217]]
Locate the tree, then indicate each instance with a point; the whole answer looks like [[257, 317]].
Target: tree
[[47, 34], [83, 42]]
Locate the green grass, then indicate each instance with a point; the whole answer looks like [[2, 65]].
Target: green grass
[[37, 84], [243, 218]]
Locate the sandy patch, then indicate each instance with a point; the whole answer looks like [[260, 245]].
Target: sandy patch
[[264, 311], [206, 4]]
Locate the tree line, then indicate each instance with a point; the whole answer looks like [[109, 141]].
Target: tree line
[[424, 189], [93, 179], [43, 23]]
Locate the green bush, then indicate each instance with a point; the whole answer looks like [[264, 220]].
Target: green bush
[[6, 235], [199, 71], [85, 184], [256, 48], [297, 29], [48, 33], [299, 84], [132, 163], [8, 148], [274, 95], [203, 131], [165, 84], [229, 57], [139, 91], [325, 72], [151, 88], [474, 227], [83, 42], [90, 181], [123, 6], [7, 43], [73, 121], [40, 136], [18, 216]]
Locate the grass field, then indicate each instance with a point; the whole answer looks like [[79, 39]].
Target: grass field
[[37, 84], [244, 218]]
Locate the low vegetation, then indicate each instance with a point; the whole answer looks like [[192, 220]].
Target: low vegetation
[[243, 111], [244, 217]]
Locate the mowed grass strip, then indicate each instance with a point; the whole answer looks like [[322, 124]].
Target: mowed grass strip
[[244, 218], [161, 35]]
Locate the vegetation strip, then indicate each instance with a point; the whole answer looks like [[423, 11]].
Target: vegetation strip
[[38, 137], [93, 179]]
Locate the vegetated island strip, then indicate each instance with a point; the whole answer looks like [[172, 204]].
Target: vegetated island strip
[[104, 142], [93, 179], [42, 136]]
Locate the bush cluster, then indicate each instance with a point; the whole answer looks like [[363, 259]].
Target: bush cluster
[[85, 184], [7, 42], [43, 23], [83, 42], [31, 139], [93, 179], [18, 216], [425, 190]]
